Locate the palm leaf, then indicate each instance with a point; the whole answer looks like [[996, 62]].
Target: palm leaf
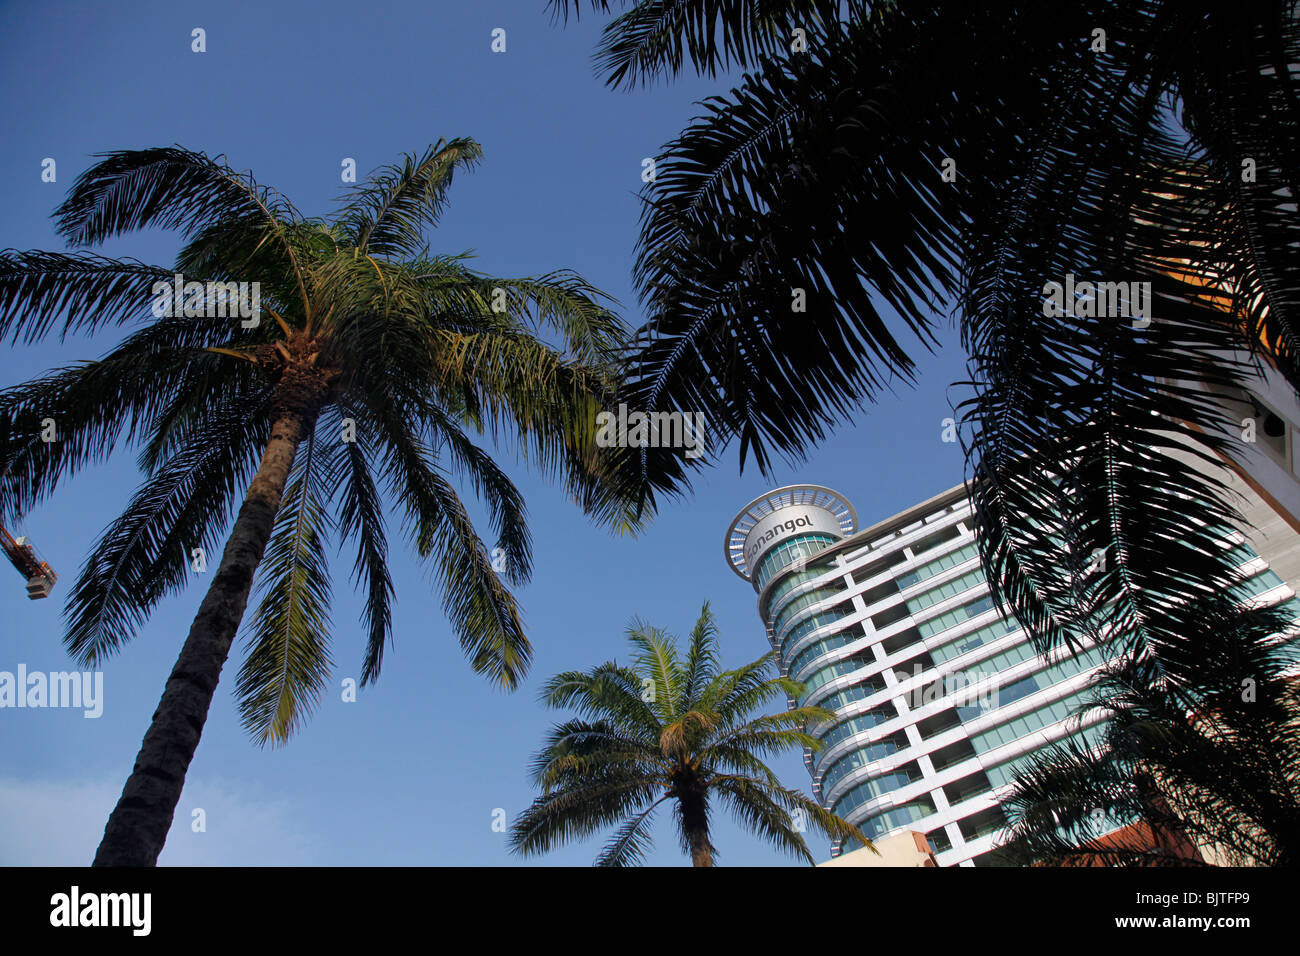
[[146, 553], [288, 662], [387, 215]]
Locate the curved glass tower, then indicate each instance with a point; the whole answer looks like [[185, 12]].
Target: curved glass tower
[[781, 528], [939, 700]]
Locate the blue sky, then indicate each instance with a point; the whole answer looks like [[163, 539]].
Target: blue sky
[[411, 773]]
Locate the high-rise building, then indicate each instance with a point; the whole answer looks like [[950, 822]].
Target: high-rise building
[[938, 699]]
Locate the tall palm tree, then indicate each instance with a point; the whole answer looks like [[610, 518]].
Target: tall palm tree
[[1201, 750], [921, 156], [671, 730], [369, 365]]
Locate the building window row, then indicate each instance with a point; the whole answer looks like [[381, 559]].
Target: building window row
[[794, 581], [787, 553], [840, 668], [806, 627], [936, 538], [1026, 724], [859, 691], [857, 724], [920, 808], [930, 569], [946, 590], [1016, 654], [864, 755], [824, 646], [957, 615], [1054, 674], [1006, 772], [973, 639], [897, 612], [802, 603], [876, 787]]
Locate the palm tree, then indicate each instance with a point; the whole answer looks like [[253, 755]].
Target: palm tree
[[921, 156], [667, 729], [367, 364], [1201, 749]]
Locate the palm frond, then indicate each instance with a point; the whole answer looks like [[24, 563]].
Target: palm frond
[[656, 38], [89, 407], [146, 553], [657, 662], [1187, 758], [561, 302], [287, 663], [166, 187], [482, 610], [597, 800], [361, 517], [630, 842], [1092, 434], [792, 230], [88, 291], [701, 665], [607, 691], [388, 213], [576, 747]]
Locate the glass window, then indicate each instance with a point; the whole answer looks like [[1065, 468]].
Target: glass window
[[912, 812], [951, 560], [787, 552], [806, 627], [858, 724]]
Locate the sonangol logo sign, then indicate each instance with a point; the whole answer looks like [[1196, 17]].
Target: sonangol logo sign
[[786, 527]]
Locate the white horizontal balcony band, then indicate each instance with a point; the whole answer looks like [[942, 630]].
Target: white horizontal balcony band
[[856, 587], [938, 579], [831, 575], [961, 853], [869, 640], [876, 667], [851, 618], [844, 651], [954, 814], [826, 630], [939, 741], [1034, 740], [906, 685], [896, 542], [1004, 677], [812, 610], [895, 627], [984, 722]]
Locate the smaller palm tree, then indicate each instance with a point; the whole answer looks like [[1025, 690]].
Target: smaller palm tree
[[664, 730]]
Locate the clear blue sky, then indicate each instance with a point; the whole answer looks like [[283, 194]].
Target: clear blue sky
[[412, 772]]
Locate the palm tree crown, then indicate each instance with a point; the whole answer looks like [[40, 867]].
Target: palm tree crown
[[670, 729]]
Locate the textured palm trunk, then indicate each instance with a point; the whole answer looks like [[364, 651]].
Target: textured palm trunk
[[695, 826], [138, 825], [701, 852]]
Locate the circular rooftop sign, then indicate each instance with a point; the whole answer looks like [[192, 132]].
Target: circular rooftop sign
[[761, 524]]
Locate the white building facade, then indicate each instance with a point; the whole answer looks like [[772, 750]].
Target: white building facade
[[938, 699]]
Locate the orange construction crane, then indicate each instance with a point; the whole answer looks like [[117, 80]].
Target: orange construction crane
[[40, 577]]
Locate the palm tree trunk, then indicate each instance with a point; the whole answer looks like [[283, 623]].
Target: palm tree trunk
[[138, 825], [701, 851], [695, 826]]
